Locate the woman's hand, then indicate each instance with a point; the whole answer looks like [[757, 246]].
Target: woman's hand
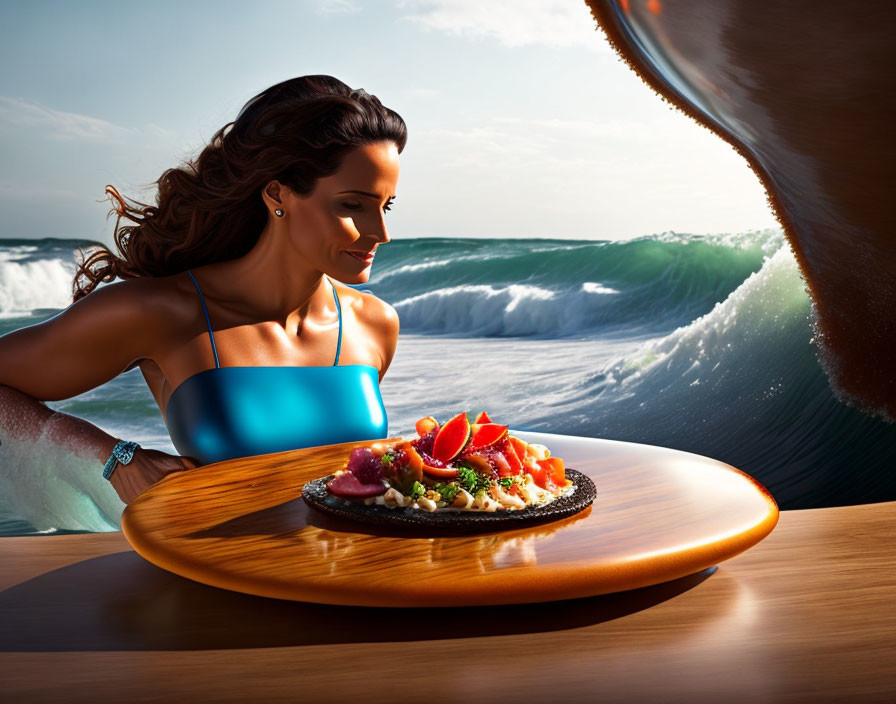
[[145, 469]]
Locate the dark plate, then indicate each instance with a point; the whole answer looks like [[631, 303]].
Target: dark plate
[[316, 495]]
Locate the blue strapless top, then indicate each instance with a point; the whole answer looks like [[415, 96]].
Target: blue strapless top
[[228, 412]]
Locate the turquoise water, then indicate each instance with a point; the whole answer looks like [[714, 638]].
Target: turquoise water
[[701, 343]]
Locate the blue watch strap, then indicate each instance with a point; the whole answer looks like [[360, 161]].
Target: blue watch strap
[[123, 453]]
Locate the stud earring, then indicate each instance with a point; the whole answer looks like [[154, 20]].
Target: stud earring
[[278, 213]]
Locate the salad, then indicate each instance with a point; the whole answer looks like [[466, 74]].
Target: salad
[[455, 466]]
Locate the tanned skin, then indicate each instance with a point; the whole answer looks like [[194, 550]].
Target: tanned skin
[[271, 307]]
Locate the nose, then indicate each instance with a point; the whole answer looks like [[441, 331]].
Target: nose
[[383, 233]]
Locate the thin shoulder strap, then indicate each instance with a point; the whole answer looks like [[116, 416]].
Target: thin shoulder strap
[[205, 310], [339, 312]]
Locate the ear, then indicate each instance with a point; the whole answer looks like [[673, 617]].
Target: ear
[[273, 194]]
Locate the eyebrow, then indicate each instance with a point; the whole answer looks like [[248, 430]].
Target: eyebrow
[[366, 193]]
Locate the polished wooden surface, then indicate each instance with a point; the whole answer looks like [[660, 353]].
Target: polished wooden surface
[[806, 615], [241, 524]]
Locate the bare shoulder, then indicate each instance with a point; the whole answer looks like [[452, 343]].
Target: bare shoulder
[[370, 310], [160, 303], [378, 312], [380, 320], [129, 304], [154, 299]]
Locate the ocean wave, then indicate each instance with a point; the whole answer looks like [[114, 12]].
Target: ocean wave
[[481, 310], [490, 287], [727, 368], [742, 384], [28, 283], [528, 288]]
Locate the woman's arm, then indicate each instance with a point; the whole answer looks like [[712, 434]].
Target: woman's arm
[[25, 417], [89, 343], [84, 346]]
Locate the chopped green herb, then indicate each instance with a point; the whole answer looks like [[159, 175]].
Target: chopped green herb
[[506, 481], [466, 477], [473, 481], [447, 491], [417, 490]]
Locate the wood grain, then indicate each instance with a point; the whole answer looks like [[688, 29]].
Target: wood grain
[[804, 616], [660, 514]]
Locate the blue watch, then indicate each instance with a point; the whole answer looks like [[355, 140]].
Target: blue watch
[[123, 452]]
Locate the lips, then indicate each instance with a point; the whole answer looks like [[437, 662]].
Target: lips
[[365, 257]]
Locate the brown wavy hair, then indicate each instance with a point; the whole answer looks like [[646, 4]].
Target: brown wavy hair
[[210, 209]]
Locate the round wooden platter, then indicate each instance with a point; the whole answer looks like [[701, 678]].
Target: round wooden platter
[[242, 525]]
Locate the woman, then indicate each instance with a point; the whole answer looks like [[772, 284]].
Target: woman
[[229, 302]]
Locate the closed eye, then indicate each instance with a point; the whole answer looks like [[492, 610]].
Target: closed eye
[[355, 206]]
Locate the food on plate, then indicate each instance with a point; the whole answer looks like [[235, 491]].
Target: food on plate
[[453, 466]]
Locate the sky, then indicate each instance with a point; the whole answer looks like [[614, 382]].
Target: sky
[[522, 120]]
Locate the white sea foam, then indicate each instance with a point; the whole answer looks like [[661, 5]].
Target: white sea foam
[[765, 305], [513, 310], [26, 284], [52, 488]]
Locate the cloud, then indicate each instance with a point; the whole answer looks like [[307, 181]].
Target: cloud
[[336, 7], [514, 23], [481, 145], [573, 159], [157, 130], [59, 123], [513, 142]]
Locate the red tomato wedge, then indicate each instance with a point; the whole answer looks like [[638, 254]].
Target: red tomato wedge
[[451, 438], [487, 434]]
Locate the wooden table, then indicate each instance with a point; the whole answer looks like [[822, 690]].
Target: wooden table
[[241, 524], [806, 614]]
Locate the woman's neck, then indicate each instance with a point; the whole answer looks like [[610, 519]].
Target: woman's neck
[[271, 283]]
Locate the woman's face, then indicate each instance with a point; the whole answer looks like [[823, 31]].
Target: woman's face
[[345, 213]]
